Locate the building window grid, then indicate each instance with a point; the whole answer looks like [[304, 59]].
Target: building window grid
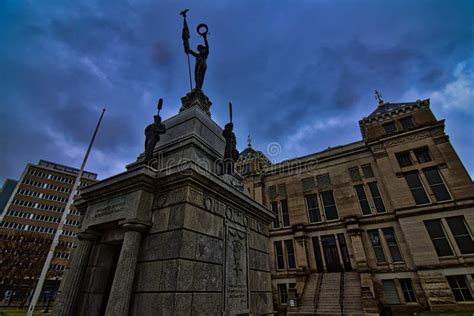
[[422, 155], [438, 236], [437, 184], [407, 122], [384, 241], [392, 244], [390, 127], [407, 290], [376, 197], [38, 206], [49, 176], [285, 216], [460, 288], [417, 188], [404, 159], [363, 200], [280, 209], [329, 205], [312, 205], [461, 234], [376, 242], [284, 249]]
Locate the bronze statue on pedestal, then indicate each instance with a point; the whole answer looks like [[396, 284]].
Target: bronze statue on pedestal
[[152, 134], [201, 56]]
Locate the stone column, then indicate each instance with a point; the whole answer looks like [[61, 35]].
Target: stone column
[[71, 285], [121, 291]]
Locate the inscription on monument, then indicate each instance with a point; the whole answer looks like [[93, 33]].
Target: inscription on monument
[[109, 209], [237, 300]]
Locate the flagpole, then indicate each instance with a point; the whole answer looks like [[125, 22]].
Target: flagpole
[[59, 231], [185, 37], [189, 70]]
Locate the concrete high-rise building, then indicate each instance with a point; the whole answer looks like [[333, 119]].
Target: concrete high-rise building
[[37, 202], [5, 193], [382, 223]]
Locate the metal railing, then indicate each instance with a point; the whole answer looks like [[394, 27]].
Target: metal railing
[[317, 290], [341, 293]]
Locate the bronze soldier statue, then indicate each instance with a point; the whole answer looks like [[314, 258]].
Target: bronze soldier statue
[[152, 134], [230, 152]]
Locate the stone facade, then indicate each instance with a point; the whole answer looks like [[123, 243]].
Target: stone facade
[[173, 238], [396, 208]]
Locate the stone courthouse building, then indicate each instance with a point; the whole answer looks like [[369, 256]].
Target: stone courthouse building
[[382, 223]]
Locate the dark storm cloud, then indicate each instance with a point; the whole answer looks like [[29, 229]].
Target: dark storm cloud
[[298, 73]]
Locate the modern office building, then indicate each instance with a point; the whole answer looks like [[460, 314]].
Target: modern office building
[[6, 191], [382, 223], [37, 203]]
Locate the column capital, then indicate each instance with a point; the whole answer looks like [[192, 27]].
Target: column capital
[[135, 225], [88, 235]]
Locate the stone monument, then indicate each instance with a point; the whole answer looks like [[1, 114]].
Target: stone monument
[[171, 237]]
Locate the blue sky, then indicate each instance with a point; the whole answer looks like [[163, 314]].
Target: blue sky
[[299, 73]]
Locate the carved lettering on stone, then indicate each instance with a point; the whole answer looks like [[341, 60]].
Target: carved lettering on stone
[[196, 197], [236, 279], [161, 200], [176, 196]]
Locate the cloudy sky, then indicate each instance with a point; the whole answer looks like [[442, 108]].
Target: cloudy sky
[[299, 73]]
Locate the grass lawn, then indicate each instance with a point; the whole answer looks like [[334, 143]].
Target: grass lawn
[[445, 314], [17, 312]]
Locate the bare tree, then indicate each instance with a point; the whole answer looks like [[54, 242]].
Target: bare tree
[[22, 255]]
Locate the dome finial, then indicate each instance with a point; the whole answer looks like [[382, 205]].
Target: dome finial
[[249, 141]]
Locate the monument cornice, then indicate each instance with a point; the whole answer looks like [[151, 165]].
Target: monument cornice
[[211, 185], [140, 178]]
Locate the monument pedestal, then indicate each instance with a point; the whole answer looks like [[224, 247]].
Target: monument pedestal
[[196, 97], [174, 238]]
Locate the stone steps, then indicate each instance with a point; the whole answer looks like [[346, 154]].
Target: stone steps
[[328, 300]]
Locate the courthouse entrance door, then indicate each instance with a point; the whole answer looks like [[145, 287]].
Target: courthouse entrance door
[[331, 254]]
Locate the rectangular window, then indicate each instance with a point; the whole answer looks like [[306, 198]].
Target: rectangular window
[[404, 159], [422, 155], [461, 234], [407, 289], [355, 174], [389, 235], [323, 180], [438, 237], [276, 220], [272, 192], [367, 171], [313, 208], [459, 287], [390, 291], [407, 122], [376, 197], [329, 205], [317, 255], [290, 253], [282, 190], [280, 259], [390, 127], [284, 213], [436, 184], [308, 184], [283, 293], [416, 188], [364, 204], [377, 245]]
